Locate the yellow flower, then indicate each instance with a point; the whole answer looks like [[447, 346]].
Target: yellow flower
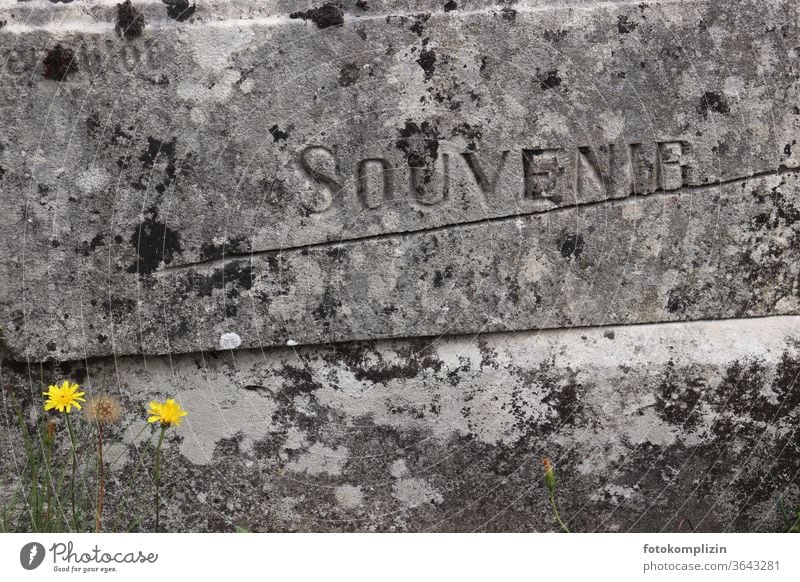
[[63, 397], [167, 413]]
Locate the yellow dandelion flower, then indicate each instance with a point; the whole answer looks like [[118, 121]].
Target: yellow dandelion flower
[[168, 413], [103, 409], [63, 397]]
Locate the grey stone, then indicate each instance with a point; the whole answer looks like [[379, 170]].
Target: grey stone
[[272, 179], [389, 254]]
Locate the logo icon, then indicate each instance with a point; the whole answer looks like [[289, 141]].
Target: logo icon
[[31, 555]]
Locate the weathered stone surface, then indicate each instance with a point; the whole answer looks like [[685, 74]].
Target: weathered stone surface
[[272, 179], [488, 232], [649, 426]]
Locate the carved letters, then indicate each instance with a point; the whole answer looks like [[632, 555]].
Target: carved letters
[[553, 175]]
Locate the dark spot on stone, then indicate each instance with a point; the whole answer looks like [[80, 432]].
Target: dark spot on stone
[[571, 246], [450, 5], [348, 74], [236, 245], [411, 365], [739, 393], [51, 346], [58, 63], [787, 149], [130, 22], [154, 242], [677, 399], [157, 149], [179, 10], [88, 247], [277, 134], [328, 306], [713, 101], [566, 403], [419, 142], [508, 14], [232, 275], [555, 36], [439, 276], [102, 338], [624, 25], [419, 24], [362, 4], [681, 298], [549, 80], [3, 23], [325, 16], [427, 60], [118, 239], [609, 334]]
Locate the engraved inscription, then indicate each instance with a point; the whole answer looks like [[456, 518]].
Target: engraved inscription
[[374, 181], [553, 175]]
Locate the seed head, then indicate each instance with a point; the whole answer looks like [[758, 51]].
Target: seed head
[[103, 409]]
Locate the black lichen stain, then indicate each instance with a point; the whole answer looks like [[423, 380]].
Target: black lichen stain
[[325, 16], [739, 393], [130, 21], [450, 5], [427, 60], [419, 23], [179, 10], [415, 360], [58, 63], [154, 242], [362, 4], [555, 36], [278, 134], [713, 101], [786, 388], [232, 277], [88, 247], [327, 308], [420, 143], [566, 402], [348, 75], [624, 25], [473, 133], [678, 399], [680, 299], [549, 80], [158, 150], [571, 245], [232, 246], [119, 309], [508, 14]]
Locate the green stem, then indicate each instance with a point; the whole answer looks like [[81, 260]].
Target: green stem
[[158, 472], [100, 478], [555, 512], [48, 456], [131, 482], [74, 470]]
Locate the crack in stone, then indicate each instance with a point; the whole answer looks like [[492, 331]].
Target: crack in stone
[[227, 257]]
